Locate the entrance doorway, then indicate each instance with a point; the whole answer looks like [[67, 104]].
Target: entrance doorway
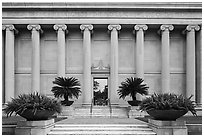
[[100, 91]]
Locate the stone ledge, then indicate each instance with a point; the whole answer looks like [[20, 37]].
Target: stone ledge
[[35, 123], [8, 129], [168, 127], [166, 123], [41, 127]]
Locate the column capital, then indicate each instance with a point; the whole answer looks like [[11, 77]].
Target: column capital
[[60, 27], [192, 27], [9, 27], [114, 26], [140, 27], [35, 27], [165, 27], [86, 27]]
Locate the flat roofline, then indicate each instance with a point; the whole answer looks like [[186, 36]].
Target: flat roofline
[[103, 5]]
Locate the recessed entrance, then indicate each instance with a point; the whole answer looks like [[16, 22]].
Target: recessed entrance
[[100, 91]]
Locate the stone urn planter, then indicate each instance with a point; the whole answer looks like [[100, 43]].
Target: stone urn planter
[[39, 115], [67, 103], [167, 106], [134, 102], [170, 115], [36, 109]]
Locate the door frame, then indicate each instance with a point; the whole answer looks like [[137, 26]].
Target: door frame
[[100, 76]]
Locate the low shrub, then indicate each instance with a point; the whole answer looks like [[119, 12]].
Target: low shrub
[[33, 101], [168, 101]]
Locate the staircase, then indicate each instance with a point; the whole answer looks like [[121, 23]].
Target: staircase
[[101, 126], [100, 120], [100, 111]]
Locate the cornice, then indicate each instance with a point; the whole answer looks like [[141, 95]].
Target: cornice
[[105, 5]]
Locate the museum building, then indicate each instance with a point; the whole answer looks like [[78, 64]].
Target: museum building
[[103, 42]]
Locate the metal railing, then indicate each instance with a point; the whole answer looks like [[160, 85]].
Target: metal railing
[[91, 108], [92, 103], [109, 104]]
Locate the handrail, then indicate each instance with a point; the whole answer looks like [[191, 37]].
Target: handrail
[[91, 108], [110, 107]]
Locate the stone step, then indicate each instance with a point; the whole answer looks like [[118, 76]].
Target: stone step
[[119, 114], [102, 115], [103, 125], [102, 133], [101, 129], [97, 111]]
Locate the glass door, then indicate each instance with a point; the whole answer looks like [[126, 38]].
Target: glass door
[[100, 91]]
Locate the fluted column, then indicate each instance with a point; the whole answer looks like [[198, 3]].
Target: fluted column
[[190, 60], [9, 62], [3, 66], [165, 72], [140, 50], [61, 48], [114, 63], [35, 34], [199, 67], [87, 63]]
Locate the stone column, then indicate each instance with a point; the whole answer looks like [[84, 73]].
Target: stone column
[[87, 63], [61, 48], [190, 60], [140, 50], [199, 67], [3, 67], [35, 57], [9, 62], [114, 63], [165, 72]]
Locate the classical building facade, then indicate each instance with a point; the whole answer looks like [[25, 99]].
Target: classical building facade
[[159, 42]]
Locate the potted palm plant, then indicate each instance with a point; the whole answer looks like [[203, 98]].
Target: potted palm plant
[[33, 106], [67, 88], [132, 86], [167, 106]]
